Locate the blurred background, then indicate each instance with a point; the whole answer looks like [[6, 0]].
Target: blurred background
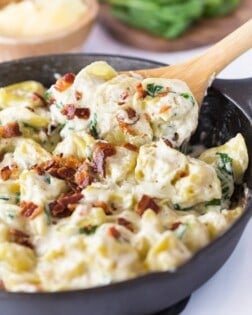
[[163, 30], [168, 31]]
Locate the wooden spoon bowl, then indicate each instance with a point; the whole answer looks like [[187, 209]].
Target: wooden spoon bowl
[[199, 72]]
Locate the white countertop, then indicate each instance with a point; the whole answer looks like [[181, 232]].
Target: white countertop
[[229, 291]]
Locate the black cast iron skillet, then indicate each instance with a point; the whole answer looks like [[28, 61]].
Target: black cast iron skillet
[[227, 110]]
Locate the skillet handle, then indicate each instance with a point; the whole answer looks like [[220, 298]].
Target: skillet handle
[[239, 91]]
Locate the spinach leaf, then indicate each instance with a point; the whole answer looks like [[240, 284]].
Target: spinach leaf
[[88, 230], [4, 198], [48, 214], [176, 206], [153, 90], [47, 179], [188, 96], [213, 202], [93, 127], [224, 172]]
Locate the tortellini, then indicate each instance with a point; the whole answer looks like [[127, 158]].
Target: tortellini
[[166, 173]]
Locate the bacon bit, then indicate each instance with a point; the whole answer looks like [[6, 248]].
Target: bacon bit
[[69, 111], [126, 223], [69, 199], [164, 109], [123, 97], [127, 128], [20, 238], [37, 97], [102, 150], [83, 113], [64, 82], [112, 231], [63, 168], [145, 203], [140, 90], [168, 142], [103, 205], [9, 171], [60, 167], [30, 209], [5, 173], [131, 118], [10, 130], [83, 176], [165, 93], [62, 207], [175, 225], [65, 173], [131, 112], [130, 147], [78, 95], [184, 173]]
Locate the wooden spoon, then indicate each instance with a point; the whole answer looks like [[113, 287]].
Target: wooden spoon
[[199, 72]]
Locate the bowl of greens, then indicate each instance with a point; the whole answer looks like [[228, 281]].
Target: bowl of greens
[[193, 21]]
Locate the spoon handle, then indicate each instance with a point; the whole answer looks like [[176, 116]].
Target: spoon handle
[[216, 58]]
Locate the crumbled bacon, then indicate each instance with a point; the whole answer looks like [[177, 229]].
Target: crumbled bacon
[[64, 82], [140, 90], [76, 173], [70, 110], [112, 231], [83, 176], [10, 130], [168, 142], [9, 171], [20, 238], [127, 128], [63, 206], [102, 150], [60, 167], [164, 109], [5, 173], [127, 116], [131, 147], [37, 97], [30, 209], [78, 95], [145, 203], [126, 223], [164, 93], [131, 112], [83, 113], [64, 172], [175, 225], [123, 97], [103, 205]]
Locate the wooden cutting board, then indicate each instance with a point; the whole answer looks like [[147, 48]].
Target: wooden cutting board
[[205, 32]]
